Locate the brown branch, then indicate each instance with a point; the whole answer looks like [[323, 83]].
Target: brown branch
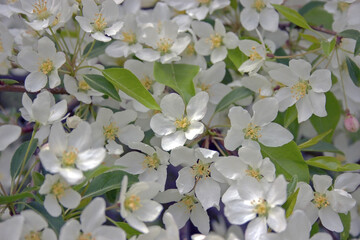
[[20, 88], [317, 28]]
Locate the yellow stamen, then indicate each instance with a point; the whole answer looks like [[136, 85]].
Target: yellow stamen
[[152, 162], [86, 236], [1, 46], [132, 203], [190, 50], [164, 45], [46, 66], [252, 132], [201, 170], [259, 5], [69, 158], [254, 55], [255, 173], [40, 9], [300, 89], [216, 40], [58, 189], [99, 22], [83, 86], [56, 20], [33, 236], [182, 123], [147, 82], [261, 207], [205, 87], [343, 6], [111, 131], [320, 200], [189, 202], [129, 37]]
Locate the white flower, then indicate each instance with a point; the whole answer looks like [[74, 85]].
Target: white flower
[[92, 218], [306, 90], [56, 189], [259, 203], [256, 53], [101, 21], [150, 163], [256, 128], [136, 206], [9, 134], [256, 11], [42, 65], [11, 228], [36, 227], [70, 154], [6, 46], [157, 233], [174, 125], [214, 41]]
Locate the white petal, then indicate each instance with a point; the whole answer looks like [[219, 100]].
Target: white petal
[[321, 183], [172, 106], [52, 206], [269, 19], [284, 75], [70, 230], [347, 181], [340, 201], [54, 79], [277, 192], [218, 54], [185, 181], [180, 213], [93, 215], [265, 111], [194, 130], [109, 233], [320, 80], [148, 55], [137, 224], [234, 138], [71, 175], [58, 111], [12, 133], [200, 219], [301, 68], [149, 210], [304, 109], [162, 125], [203, 47], [318, 101], [275, 135], [71, 199], [182, 155], [276, 219], [256, 228], [238, 212], [330, 219], [49, 161], [84, 23], [173, 140], [35, 81], [202, 29], [285, 98], [208, 193], [231, 167], [249, 19], [196, 108]]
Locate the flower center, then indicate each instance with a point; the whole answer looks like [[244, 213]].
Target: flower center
[[259, 5], [255, 173], [46, 66], [189, 202], [40, 9], [151, 162], [182, 123], [69, 158], [83, 86], [254, 55], [129, 37], [204, 1], [261, 207], [147, 82], [1, 46], [99, 22], [190, 50], [320, 200], [58, 189], [216, 40], [132, 203], [300, 89], [33, 236], [201, 170], [205, 87], [111, 131], [252, 132], [86, 236], [164, 45], [343, 6]]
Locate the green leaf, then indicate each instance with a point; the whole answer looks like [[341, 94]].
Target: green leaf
[[290, 203], [233, 96], [327, 46], [106, 182], [98, 49], [19, 157], [292, 15], [354, 71], [288, 161], [307, 7], [324, 124], [314, 140], [237, 57], [127, 82], [322, 147], [14, 198], [9, 81], [281, 52], [99, 83], [234, 4], [177, 76], [37, 178], [331, 164], [129, 230], [354, 34], [319, 17], [54, 223], [346, 221], [290, 116], [310, 38], [292, 185]]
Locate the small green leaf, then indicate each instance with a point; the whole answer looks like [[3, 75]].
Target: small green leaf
[[292, 15], [310, 38], [14, 198], [331, 164], [288, 161], [19, 157], [322, 147], [354, 34], [234, 4], [292, 185], [324, 124], [37, 178], [290, 203], [127, 82], [98, 49], [314, 140], [354, 71], [233, 96], [106, 182], [9, 81], [237, 57], [290, 116], [178, 77], [319, 17], [99, 83], [346, 221], [327, 46], [129, 230], [307, 7]]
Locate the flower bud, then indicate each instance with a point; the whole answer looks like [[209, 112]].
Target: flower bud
[[351, 123], [73, 121]]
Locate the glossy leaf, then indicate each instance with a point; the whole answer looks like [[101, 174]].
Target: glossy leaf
[[14, 198], [129, 230], [98, 49], [332, 164], [292, 15], [237, 57], [322, 147], [290, 116], [311, 5], [178, 77], [319, 17], [232, 97], [314, 140], [19, 157], [37, 178], [126, 81], [290, 203], [288, 161], [346, 221], [354, 71], [100, 84]]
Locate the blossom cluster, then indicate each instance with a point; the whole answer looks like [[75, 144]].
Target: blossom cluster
[[169, 120]]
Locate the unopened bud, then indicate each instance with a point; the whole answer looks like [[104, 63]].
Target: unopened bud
[[351, 123], [73, 121]]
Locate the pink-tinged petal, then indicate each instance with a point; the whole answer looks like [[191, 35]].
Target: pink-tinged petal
[[275, 135], [207, 191], [173, 140], [186, 180], [320, 80], [35, 81], [330, 219], [276, 219], [269, 19], [318, 101], [304, 109], [249, 19], [200, 219]]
